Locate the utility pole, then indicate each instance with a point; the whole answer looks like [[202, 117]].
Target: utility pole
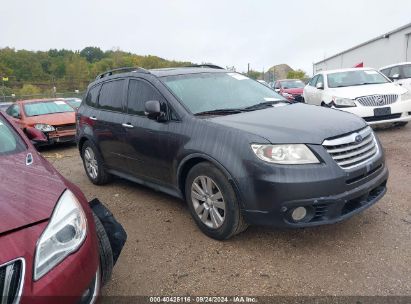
[[248, 70], [53, 89]]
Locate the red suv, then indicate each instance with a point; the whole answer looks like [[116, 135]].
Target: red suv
[[48, 239], [292, 89]]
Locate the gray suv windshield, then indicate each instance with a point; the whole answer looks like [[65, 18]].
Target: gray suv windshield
[[212, 91]]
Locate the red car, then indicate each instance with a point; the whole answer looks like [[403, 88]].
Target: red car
[[48, 240], [292, 89], [54, 117]]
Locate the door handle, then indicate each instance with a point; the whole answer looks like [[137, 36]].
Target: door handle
[[93, 117], [127, 125]]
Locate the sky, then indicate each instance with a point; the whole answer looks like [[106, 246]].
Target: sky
[[262, 33]]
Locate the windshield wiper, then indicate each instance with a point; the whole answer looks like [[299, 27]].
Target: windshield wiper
[[261, 105], [265, 104], [360, 84], [220, 111]]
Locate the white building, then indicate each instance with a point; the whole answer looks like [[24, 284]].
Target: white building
[[392, 47]]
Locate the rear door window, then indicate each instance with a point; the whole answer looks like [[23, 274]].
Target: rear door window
[[140, 91], [112, 95], [10, 141]]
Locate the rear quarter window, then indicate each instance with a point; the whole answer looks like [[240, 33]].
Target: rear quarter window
[[92, 96]]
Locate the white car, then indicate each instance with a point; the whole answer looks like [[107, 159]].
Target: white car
[[361, 91], [399, 73]]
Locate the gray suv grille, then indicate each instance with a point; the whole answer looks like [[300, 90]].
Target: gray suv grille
[[377, 100], [11, 281], [353, 149]]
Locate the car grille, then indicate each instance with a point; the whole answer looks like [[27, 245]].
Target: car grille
[[353, 149], [69, 127], [382, 117], [11, 281], [377, 100]]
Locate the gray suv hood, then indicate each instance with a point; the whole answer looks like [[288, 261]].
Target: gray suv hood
[[294, 123]]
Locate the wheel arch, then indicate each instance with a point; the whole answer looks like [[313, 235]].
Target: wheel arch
[[193, 159], [83, 139]]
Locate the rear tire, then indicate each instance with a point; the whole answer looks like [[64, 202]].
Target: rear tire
[[213, 203], [94, 165], [105, 252]]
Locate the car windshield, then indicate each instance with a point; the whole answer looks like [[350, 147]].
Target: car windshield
[[355, 78], [46, 107], [204, 92], [292, 84], [10, 141]]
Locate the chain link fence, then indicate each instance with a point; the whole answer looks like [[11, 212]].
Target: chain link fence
[[13, 98]]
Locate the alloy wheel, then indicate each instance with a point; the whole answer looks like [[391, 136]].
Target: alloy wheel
[[208, 202], [91, 163]]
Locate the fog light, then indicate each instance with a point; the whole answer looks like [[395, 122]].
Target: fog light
[[299, 213]]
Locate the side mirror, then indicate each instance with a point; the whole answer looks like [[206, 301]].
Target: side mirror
[[320, 86], [153, 110], [16, 115], [35, 135], [395, 77]]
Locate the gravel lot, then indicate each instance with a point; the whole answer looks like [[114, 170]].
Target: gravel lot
[[370, 254]]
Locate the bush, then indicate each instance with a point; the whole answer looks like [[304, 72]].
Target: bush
[[29, 89]]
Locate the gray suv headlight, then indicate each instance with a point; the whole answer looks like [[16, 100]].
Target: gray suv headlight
[[63, 235], [293, 154]]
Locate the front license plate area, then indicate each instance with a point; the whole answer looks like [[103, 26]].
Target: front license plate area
[[382, 111]]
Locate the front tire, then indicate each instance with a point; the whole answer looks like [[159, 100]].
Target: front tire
[[93, 164], [213, 203], [105, 251]]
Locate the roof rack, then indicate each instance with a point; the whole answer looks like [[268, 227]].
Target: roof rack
[[121, 70], [211, 66]]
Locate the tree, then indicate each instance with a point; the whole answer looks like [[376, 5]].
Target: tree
[[92, 54], [68, 70], [77, 73], [254, 74], [298, 74]]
